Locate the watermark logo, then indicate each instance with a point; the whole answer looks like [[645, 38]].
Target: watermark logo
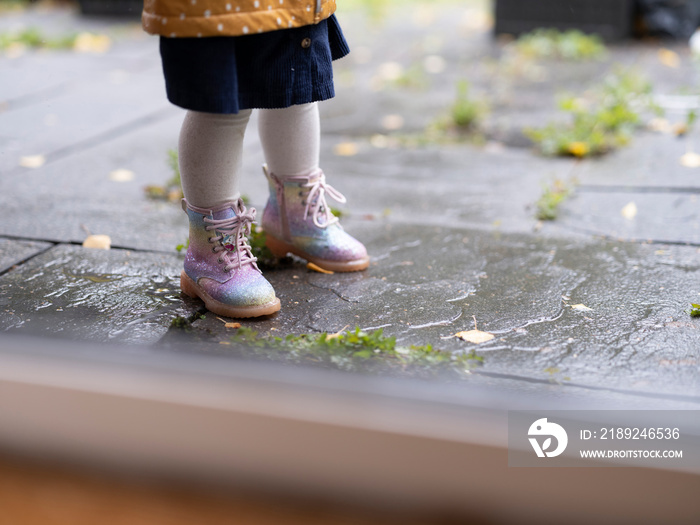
[[542, 428]]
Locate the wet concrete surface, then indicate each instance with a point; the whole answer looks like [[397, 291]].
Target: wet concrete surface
[[450, 227], [97, 295]]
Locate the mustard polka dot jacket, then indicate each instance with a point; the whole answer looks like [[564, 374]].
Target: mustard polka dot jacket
[[193, 18]]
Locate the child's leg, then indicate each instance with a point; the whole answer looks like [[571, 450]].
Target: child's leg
[[210, 150], [291, 139], [297, 218], [219, 268]]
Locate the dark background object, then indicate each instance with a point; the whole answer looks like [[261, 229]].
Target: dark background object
[[121, 8], [668, 18], [611, 19]]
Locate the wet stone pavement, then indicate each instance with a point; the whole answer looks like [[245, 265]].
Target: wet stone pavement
[[592, 300]]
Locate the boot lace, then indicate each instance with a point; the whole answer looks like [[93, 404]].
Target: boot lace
[[232, 238], [316, 204]]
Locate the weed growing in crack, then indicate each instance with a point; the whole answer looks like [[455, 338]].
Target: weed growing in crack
[[603, 119], [172, 189], [552, 196], [459, 124], [572, 45]]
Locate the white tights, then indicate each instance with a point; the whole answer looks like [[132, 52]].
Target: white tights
[[211, 147]]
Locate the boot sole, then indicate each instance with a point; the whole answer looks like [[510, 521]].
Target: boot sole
[[192, 289], [281, 249]]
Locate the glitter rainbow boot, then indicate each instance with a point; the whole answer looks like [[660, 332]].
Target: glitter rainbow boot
[[297, 220], [219, 266]]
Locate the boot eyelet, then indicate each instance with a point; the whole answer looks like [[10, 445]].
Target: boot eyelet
[[220, 260]]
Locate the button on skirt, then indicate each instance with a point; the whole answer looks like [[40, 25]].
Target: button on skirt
[[268, 70]]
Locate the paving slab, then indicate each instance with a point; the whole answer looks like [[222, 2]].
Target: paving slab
[[68, 199], [652, 161], [606, 315], [15, 252], [450, 227], [82, 113], [659, 217], [95, 295]]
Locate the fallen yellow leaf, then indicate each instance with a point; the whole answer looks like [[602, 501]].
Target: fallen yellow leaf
[[690, 160], [316, 268], [89, 43], [32, 161], [392, 122], [228, 324], [660, 125], [680, 129], [390, 71], [629, 212], [121, 175], [669, 58], [337, 334], [100, 242], [346, 149], [581, 308], [475, 336]]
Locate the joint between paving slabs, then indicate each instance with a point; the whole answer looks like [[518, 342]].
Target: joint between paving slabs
[[601, 188], [652, 395], [100, 138], [647, 242]]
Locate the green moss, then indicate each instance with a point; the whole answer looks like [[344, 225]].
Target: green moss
[[180, 323], [356, 351]]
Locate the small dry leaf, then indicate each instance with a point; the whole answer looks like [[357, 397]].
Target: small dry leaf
[[475, 336], [32, 161], [89, 43], [121, 175], [338, 333], [316, 268], [392, 122], [660, 125], [346, 149], [434, 64], [680, 129], [15, 50], [581, 308], [629, 212], [390, 71], [690, 160], [101, 242], [669, 58], [228, 324], [379, 141]]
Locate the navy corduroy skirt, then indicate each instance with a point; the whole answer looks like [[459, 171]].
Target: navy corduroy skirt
[[268, 70]]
